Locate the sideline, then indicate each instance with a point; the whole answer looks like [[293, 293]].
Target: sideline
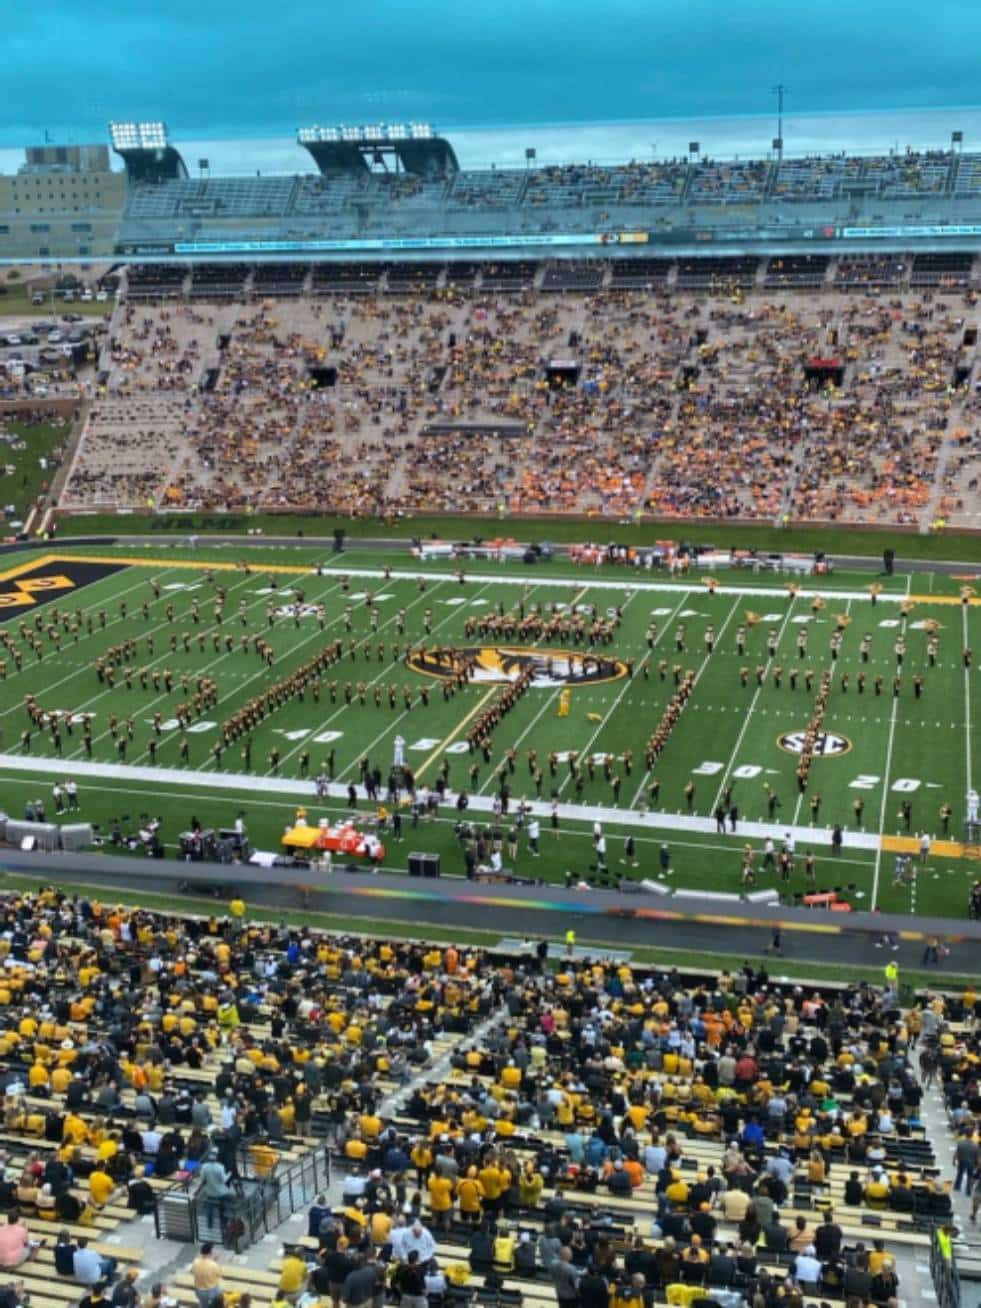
[[625, 582]]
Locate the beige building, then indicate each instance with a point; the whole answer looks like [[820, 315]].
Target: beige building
[[63, 202]]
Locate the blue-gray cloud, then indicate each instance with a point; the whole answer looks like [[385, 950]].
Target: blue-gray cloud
[[245, 68]]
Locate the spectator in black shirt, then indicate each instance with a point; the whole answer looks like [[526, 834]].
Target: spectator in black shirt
[[64, 1254], [593, 1289], [827, 1238], [96, 1297]]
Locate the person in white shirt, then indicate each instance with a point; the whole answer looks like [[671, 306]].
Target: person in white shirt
[[807, 1267], [972, 805], [534, 834], [420, 1238]]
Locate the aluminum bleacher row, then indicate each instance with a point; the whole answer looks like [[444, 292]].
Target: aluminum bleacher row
[[858, 273], [663, 183]]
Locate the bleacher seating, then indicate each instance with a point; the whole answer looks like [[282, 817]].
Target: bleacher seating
[[711, 273], [279, 278], [812, 178], [968, 181], [635, 273], [498, 188], [796, 270], [581, 275], [155, 280], [947, 269], [728, 183], [218, 280], [214, 197], [685, 1128], [346, 277]]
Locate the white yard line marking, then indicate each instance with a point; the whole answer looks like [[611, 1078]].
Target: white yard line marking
[[628, 581], [885, 791], [673, 618], [967, 702], [617, 698], [426, 596], [390, 725], [67, 645], [245, 783], [752, 706], [800, 796]]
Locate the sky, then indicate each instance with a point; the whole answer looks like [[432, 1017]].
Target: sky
[[220, 69]]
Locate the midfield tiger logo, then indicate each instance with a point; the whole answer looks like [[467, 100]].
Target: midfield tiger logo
[[551, 668]]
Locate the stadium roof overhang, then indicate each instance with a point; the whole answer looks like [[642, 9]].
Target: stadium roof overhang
[[415, 148], [147, 152]]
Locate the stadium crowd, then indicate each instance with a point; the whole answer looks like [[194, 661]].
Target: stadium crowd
[[601, 1132], [811, 406]]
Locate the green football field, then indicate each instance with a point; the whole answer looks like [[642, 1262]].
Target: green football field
[[66, 611]]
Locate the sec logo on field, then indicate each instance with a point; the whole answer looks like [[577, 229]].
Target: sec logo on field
[[827, 744]]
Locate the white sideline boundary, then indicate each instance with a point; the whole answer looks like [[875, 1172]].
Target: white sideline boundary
[[305, 791]]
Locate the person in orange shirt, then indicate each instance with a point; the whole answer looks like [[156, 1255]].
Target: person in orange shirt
[[634, 1170]]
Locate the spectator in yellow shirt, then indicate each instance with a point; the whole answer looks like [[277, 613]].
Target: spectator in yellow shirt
[[101, 1187], [440, 1199]]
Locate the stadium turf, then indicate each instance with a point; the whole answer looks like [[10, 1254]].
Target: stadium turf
[[880, 749]]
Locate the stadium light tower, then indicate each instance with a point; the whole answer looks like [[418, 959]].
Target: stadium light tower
[[145, 147], [779, 91]]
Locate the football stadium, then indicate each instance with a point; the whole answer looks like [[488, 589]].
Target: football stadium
[[489, 729]]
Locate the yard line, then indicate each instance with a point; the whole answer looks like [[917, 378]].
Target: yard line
[[627, 682], [752, 706], [265, 670], [198, 670], [885, 791], [166, 654], [800, 796], [698, 675], [448, 740], [967, 701], [391, 723], [549, 699], [386, 670], [117, 595]]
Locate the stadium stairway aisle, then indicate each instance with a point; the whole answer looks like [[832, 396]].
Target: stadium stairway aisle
[[270, 1247]]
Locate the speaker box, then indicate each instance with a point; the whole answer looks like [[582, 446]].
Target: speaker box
[[423, 865]]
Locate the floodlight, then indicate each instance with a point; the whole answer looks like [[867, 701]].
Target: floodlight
[[138, 136]]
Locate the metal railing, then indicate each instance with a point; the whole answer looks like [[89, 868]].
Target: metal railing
[[259, 1202], [943, 1270]]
